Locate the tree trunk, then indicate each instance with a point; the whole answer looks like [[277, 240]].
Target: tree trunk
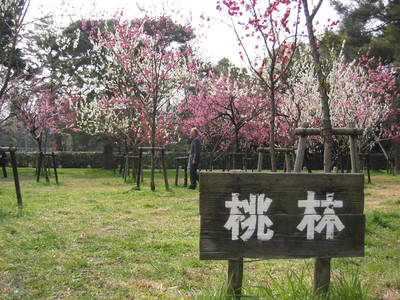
[[39, 160], [272, 129], [324, 99], [153, 144], [59, 142], [396, 142], [234, 164], [322, 265], [108, 162]]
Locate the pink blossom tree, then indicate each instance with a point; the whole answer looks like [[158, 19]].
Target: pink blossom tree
[[227, 109], [150, 59], [267, 33], [38, 108]]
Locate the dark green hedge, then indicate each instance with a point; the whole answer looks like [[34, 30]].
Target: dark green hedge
[[87, 159], [95, 160], [64, 159]]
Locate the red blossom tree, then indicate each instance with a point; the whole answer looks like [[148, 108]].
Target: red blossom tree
[[226, 108]]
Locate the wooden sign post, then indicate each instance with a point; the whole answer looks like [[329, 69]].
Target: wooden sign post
[[280, 215], [183, 162], [12, 151], [43, 164]]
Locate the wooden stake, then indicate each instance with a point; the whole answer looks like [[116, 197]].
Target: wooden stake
[[126, 168], [185, 178], [164, 169], [16, 178], [55, 166], [4, 163], [353, 154], [301, 149], [46, 168], [139, 169], [368, 167], [39, 166], [235, 277], [288, 164], [322, 275], [260, 161], [176, 171]]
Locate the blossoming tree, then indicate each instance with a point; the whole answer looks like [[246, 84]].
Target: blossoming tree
[[38, 108], [226, 108], [148, 61], [267, 32], [361, 93]]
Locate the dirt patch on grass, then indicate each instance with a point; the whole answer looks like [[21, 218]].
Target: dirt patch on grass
[[390, 294], [375, 197], [140, 283]]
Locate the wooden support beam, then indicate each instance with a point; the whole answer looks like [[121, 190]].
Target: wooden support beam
[[150, 148], [268, 149], [181, 160], [8, 149], [353, 154], [16, 178], [288, 162], [336, 131], [164, 167], [322, 275], [260, 161], [54, 166], [301, 150], [235, 277], [140, 175], [39, 166]]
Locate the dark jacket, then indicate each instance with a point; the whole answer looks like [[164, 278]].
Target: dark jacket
[[195, 148]]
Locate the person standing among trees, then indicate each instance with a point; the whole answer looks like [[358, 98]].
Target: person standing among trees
[[194, 157]]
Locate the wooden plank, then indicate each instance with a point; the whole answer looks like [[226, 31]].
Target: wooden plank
[[284, 212], [283, 188], [150, 148], [287, 241], [181, 158], [336, 131], [268, 149], [8, 149]]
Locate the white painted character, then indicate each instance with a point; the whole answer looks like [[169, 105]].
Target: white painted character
[[310, 214], [329, 219], [235, 216], [254, 209]]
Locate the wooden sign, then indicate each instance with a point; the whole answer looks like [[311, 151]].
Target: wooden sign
[[281, 215]]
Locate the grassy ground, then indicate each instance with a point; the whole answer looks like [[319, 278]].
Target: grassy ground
[[95, 237]]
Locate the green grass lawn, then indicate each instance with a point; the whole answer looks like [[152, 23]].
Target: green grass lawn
[[96, 237]]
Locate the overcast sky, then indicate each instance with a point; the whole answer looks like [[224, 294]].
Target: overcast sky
[[217, 39]]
